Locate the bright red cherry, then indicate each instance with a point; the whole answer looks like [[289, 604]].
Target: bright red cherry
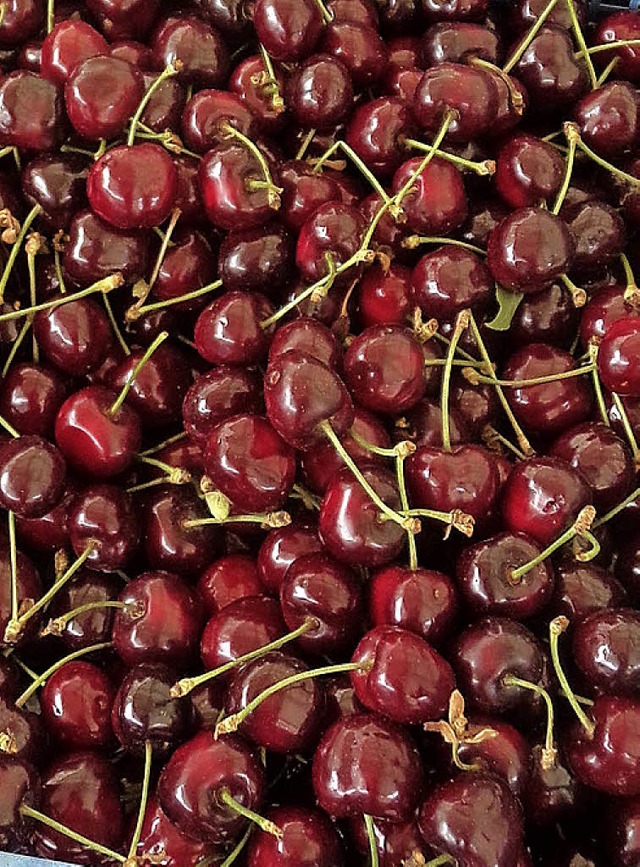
[[103, 516], [69, 43], [281, 548], [333, 230], [161, 839], [74, 336], [437, 201], [529, 170], [206, 115], [360, 48], [256, 259], [229, 330], [234, 576], [451, 279], [216, 395], [240, 627], [621, 26], [469, 92], [288, 29]]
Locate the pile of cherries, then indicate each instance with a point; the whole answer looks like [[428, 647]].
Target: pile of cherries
[[320, 412]]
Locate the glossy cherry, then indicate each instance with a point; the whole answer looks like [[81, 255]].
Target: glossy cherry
[[360, 48], [216, 395], [56, 182], [41, 128], [334, 230], [437, 202], [160, 838], [320, 92], [76, 706], [304, 190], [280, 549], [376, 132], [468, 91], [19, 784], [257, 259], [618, 348], [582, 588], [74, 337], [309, 336], [94, 625], [553, 76], [101, 93], [32, 476], [229, 330], [240, 627], [529, 171], [451, 279], [308, 840], [199, 47]]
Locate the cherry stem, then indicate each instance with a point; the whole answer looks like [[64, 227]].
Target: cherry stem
[[114, 325], [17, 343], [474, 377], [456, 519], [395, 207], [606, 72], [29, 813], [597, 385], [233, 722], [13, 561], [521, 439], [168, 72], [175, 216], [9, 428], [355, 159], [271, 84], [580, 527], [614, 170], [462, 323], [16, 625], [531, 35], [403, 449], [371, 835], [267, 520], [42, 679], [327, 15], [15, 248], [404, 499], [582, 44], [308, 500], [483, 168], [233, 855], [627, 426], [391, 514], [578, 295], [517, 100], [117, 404], [413, 241], [187, 684], [176, 438], [57, 625], [265, 825], [273, 192], [617, 509], [549, 752], [572, 139], [556, 628], [104, 285], [142, 809], [508, 303], [494, 439], [134, 312], [31, 267], [631, 293], [609, 46], [306, 142]]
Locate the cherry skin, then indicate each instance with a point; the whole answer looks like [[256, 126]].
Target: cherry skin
[[27, 731], [384, 297], [621, 26], [542, 498], [605, 650], [229, 330], [375, 133], [360, 48], [308, 840], [477, 406], [529, 250], [282, 548], [310, 337], [365, 764], [598, 233], [349, 523], [473, 818], [318, 587], [455, 41], [583, 588], [549, 317], [468, 91], [94, 442], [160, 838], [88, 627], [395, 841], [609, 117], [21, 21], [618, 349], [73, 336], [42, 128], [288, 30], [19, 784], [424, 425], [320, 92], [58, 184], [199, 47], [164, 109], [206, 114], [304, 190], [247, 81], [462, 10], [358, 12], [231, 577], [160, 622], [256, 259], [451, 279], [133, 187], [525, 13], [334, 229], [76, 706], [552, 407], [69, 43], [104, 516], [437, 202], [603, 308], [28, 587], [48, 533], [32, 476], [134, 52], [217, 395], [101, 94], [529, 170], [240, 627], [190, 784], [484, 570], [288, 721]]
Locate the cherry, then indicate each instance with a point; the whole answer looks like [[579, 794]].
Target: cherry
[[48, 533], [134, 52], [26, 731], [21, 21], [288, 30], [376, 131], [74, 336], [186, 266], [133, 187], [96, 250], [197, 774], [239, 628], [437, 201], [101, 93], [618, 348], [384, 297], [256, 259], [281, 548], [360, 48], [467, 90], [608, 118], [56, 183], [603, 308], [395, 841], [552, 792], [455, 42], [234, 576], [260, 91], [619, 27], [170, 541], [183, 455], [160, 838], [549, 317], [304, 190], [120, 12], [350, 525], [529, 250], [598, 233], [525, 13], [551, 407], [288, 721], [199, 48], [216, 395], [583, 588], [205, 115], [402, 82], [308, 840], [231, 331], [320, 92], [424, 425], [310, 337], [484, 573], [604, 650], [364, 764], [164, 108], [473, 818], [72, 787], [357, 12], [319, 589], [463, 10], [451, 279], [93, 591], [32, 476], [76, 706], [160, 621], [333, 232], [529, 170], [19, 784], [69, 43], [103, 516], [93, 440], [28, 586], [542, 497], [42, 127], [477, 406]]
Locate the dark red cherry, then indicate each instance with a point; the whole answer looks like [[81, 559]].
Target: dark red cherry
[[19, 784], [552, 407], [468, 91], [614, 28], [333, 230], [529, 170], [133, 52], [360, 48], [542, 498], [256, 259], [216, 395], [288, 721], [234, 576], [552, 793], [356, 11], [187, 196], [288, 29], [58, 184], [169, 542], [161, 839], [49, 532], [402, 82], [310, 337], [451, 279], [549, 316], [396, 841], [437, 201], [76, 706], [26, 730], [74, 336], [199, 47], [95, 250], [477, 405], [104, 516], [136, 16], [463, 10], [92, 626], [484, 573], [367, 765], [183, 454], [506, 754], [319, 588], [282, 548], [319, 93], [21, 21], [603, 308], [196, 774], [28, 587], [617, 356], [301, 393], [621, 831], [554, 77], [350, 525], [582, 588], [133, 187], [229, 330], [164, 109], [9, 680], [456, 41], [93, 441], [609, 117], [424, 425], [72, 787], [206, 115], [250, 81], [403, 677], [376, 131], [525, 13], [32, 476], [240, 627], [605, 650], [101, 93], [160, 621], [308, 840], [69, 43], [598, 233], [529, 250], [384, 296], [473, 818], [41, 127], [304, 190]]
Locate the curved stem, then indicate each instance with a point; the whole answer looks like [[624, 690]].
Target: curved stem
[[474, 377], [36, 815], [582, 44], [614, 170], [114, 325], [568, 172], [531, 35], [144, 797], [404, 502], [57, 625], [617, 509], [175, 216], [515, 96], [373, 846], [233, 855], [273, 192], [632, 294], [364, 170], [16, 247], [578, 295], [15, 346], [168, 72], [549, 752], [42, 679], [117, 404], [399, 196], [483, 168], [277, 102], [413, 241], [267, 520], [580, 527], [104, 285], [462, 323], [265, 825], [556, 628]]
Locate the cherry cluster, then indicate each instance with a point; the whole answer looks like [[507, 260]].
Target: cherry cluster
[[320, 406]]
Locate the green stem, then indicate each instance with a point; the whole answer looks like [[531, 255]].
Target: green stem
[[57, 625], [360, 165], [117, 404], [582, 44], [233, 855], [549, 752], [373, 845], [168, 72], [144, 797], [626, 425], [273, 190], [17, 343], [104, 285], [413, 241], [610, 46], [606, 72], [617, 509], [306, 141], [404, 502], [614, 170], [13, 565], [578, 295], [508, 303], [597, 385], [526, 383], [175, 216], [483, 168], [136, 312], [556, 628], [176, 438], [462, 323], [277, 102], [42, 679], [31, 267], [630, 277], [580, 527], [327, 15], [531, 35], [51, 17], [15, 248], [114, 325], [447, 120], [265, 825], [36, 815], [568, 172]]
